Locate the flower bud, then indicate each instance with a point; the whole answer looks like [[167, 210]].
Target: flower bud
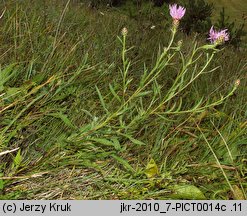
[[237, 82], [175, 24], [124, 31]]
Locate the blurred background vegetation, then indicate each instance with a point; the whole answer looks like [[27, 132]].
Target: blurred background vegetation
[[199, 17]]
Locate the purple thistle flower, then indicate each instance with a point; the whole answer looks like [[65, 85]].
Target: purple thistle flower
[[218, 36], [224, 34], [212, 35], [177, 12]]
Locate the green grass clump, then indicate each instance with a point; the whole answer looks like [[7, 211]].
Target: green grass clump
[[89, 115]]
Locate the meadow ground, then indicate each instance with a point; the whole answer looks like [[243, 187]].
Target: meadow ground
[[86, 113]]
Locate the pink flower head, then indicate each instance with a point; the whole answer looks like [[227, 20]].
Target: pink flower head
[[177, 12], [218, 36]]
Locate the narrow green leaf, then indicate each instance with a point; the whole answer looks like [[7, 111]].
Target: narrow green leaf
[[106, 142], [116, 143], [124, 162], [64, 118], [1, 184], [101, 99], [17, 160], [141, 94], [114, 93], [6, 74], [133, 140]]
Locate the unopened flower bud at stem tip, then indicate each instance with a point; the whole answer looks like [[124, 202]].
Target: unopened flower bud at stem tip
[[237, 82], [124, 31]]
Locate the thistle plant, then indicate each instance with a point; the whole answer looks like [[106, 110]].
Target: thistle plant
[[70, 108], [151, 97], [167, 102], [126, 63]]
